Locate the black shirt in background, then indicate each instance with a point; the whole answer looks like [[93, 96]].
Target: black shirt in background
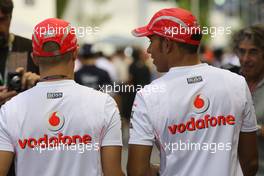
[[92, 76], [140, 76]]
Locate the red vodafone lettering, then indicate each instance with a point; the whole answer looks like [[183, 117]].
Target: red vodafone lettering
[[47, 141], [206, 122], [23, 143], [172, 129]]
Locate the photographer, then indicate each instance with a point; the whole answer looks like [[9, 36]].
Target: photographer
[[15, 57], [15, 52]]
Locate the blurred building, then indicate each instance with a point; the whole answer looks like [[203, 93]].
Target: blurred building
[[235, 14], [114, 18], [110, 21], [249, 11]]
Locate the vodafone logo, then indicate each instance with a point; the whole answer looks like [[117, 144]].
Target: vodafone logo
[[55, 121], [200, 103]]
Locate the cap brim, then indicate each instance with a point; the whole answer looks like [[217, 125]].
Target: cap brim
[[141, 32]]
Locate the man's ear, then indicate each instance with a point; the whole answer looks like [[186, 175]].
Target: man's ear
[[167, 45], [34, 59], [75, 53]]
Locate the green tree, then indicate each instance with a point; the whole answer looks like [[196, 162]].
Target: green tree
[[60, 7], [96, 18]]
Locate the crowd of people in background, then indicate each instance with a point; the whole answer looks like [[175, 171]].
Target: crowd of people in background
[[96, 70]]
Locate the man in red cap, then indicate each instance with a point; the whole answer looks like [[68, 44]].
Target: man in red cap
[[59, 127], [200, 117]]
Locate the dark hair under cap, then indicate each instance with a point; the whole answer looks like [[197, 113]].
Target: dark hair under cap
[[6, 6]]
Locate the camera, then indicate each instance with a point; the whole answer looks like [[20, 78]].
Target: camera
[[14, 81]]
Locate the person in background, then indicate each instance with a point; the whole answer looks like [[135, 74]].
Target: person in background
[[89, 74], [121, 62], [218, 57], [139, 76], [248, 44], [105, 63], [15, 54]]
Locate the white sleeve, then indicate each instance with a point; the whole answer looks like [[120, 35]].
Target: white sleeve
[[5, 139], [249, 122], [113, 133], [141, 130]]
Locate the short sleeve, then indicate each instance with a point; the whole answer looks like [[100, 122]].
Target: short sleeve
[[249, 122], [141, 130], [113, 132], [5, 140]]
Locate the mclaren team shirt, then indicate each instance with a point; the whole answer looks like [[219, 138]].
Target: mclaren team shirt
[[194, 114], [57, 128]]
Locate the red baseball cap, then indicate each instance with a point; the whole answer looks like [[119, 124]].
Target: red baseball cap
[[173, 23], [53, 30]]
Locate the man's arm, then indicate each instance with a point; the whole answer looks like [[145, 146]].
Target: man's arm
[[5, 95], [141, 140], [5, 162], [248, 153], [111, 145], [139, 160], [111, 160]]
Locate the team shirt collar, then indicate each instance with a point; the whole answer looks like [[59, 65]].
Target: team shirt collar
[[58, 82], [187, 67]]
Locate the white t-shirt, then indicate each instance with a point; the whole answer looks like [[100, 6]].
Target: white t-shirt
[[195, 115], [57, 128]]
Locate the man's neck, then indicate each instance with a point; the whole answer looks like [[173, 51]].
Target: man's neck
[[56, 74], [185, 60]]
